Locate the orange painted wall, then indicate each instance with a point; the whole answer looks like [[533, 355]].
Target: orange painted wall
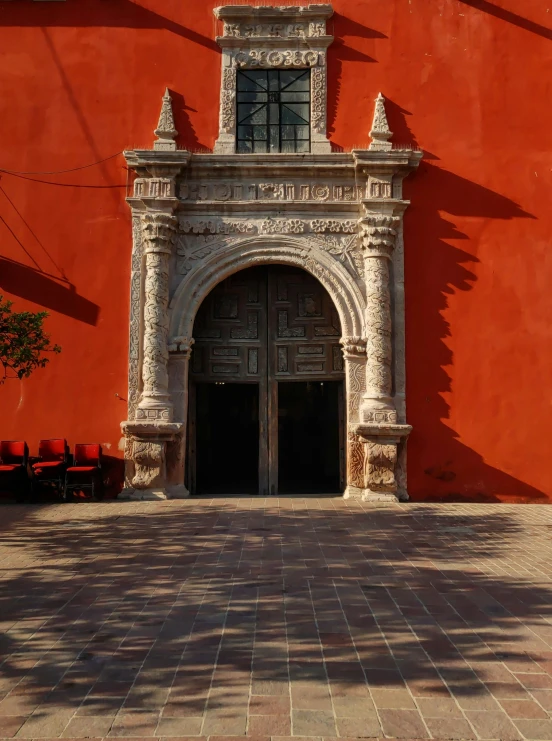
[[467, 80]]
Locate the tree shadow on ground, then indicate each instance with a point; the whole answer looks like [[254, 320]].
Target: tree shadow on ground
[[126, 608]]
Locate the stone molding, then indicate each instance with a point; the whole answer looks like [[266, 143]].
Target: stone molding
[[277, 37], [198, 218]]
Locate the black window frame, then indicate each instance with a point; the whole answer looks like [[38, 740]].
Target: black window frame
[[301, 144]]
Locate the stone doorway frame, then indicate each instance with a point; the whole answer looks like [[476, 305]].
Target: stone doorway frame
[[198, 218]]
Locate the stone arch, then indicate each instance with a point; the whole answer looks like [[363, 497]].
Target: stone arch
[[198, 283]]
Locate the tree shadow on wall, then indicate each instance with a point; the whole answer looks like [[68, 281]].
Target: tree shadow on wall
[[96, 13], [393, 597], [340, 52], [440, 466]]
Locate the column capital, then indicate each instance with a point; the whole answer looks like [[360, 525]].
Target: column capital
[[181, 346], [353, 347], [158, 231], [379, 234]]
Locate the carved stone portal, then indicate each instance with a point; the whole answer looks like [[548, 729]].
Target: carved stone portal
[[198, 218]]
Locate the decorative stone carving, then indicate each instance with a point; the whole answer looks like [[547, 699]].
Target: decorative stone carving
[[233, 213], [378, 240], [380, 132], [276, 58], [165, 131], [273, 37], [158, 234]]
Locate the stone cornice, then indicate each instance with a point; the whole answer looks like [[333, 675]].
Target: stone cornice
[[363, 160], [273, 14]]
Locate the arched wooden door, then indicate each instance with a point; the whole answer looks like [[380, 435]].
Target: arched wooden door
[[266, 386]]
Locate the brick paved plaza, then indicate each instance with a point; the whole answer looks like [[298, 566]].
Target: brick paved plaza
[[276, 618]]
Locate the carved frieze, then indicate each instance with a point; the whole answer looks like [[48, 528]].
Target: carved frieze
[[275, 30], [273, 191]]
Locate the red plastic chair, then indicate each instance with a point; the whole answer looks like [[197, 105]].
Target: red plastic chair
[[14, 456], [50, 468], [86, 471]]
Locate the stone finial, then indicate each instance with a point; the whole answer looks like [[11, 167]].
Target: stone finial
[[380, 128], [165, 131]]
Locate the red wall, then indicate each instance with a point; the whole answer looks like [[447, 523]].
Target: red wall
[[465, 79]]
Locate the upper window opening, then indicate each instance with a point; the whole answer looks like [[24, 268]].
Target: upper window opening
[[273, 110]]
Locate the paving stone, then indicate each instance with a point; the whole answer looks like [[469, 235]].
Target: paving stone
[[535, 729], [438, 708], [530, 681], [392, 699], [445, 728], [493, 725], [9, 725], [88, 726], [134, 724], [50, 723], [269, 725], [179, 726], [402, 724], [523, 709], [313, 723], [359, 727], [229, 724]]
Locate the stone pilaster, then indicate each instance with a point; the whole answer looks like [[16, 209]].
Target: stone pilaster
[[378, 429], [378, 241], [158, 231]]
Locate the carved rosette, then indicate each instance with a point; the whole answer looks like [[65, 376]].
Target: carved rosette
[[378, 241], [158, 232]]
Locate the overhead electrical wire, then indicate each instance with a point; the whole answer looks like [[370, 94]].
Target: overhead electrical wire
[[60, 172]]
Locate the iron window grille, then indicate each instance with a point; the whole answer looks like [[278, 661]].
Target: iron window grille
[[273, 111]]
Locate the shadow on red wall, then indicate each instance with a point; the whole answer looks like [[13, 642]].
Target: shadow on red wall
[[440, 466]]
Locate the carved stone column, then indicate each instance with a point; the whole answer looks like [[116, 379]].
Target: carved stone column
[[378, 428], [158, 229], [153, 429], [378, 241]]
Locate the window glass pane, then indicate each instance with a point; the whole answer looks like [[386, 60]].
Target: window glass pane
[[302, 132], [245, 147], [259, 97], [259, 146], [288, 132], [259, 132], [295, 80], [245, 132], [251, 113], [253, 80], [295, 97], [288, 146], [274, 113], [273, 79], [295, 113], [303, 146], [274, 138]]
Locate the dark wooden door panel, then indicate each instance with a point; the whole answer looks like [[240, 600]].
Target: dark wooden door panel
[[304, 328], [265, 325], [230, 331]]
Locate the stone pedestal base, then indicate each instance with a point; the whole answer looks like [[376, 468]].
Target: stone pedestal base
[[177, 492], [381, 457], [143, 495], [369, 495], [148, 456]]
